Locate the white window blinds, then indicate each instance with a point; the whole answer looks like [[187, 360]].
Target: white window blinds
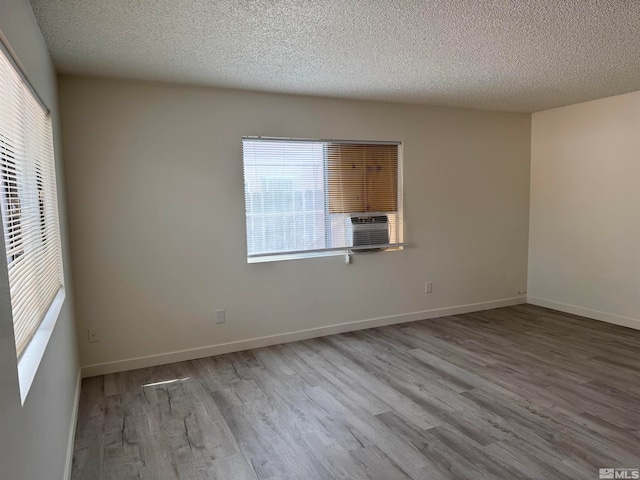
[[312, 197], [29, 204]]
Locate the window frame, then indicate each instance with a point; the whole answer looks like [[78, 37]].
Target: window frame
[[42, 177], [398, 245]]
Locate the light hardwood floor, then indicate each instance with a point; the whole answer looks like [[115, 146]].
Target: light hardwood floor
[[512, 393]]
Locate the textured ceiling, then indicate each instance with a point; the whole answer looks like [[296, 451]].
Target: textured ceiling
[[516, 55]]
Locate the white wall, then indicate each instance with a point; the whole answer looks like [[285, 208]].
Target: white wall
[[156, 208], [584, 255], [34, 437]]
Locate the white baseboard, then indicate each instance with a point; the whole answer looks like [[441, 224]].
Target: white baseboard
[[586, 312], [72, 428], [179, 356]]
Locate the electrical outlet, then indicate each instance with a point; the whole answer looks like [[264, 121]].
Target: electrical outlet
[[220, 316], [93, 335], [428, 287]]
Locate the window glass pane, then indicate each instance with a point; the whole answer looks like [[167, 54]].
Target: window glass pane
[[284, 193]]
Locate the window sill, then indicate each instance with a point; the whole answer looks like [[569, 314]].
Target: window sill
[[32, 356], [295, 256], [348, 251]]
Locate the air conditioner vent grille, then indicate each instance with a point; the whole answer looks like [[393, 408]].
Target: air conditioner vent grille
[[370, 230]]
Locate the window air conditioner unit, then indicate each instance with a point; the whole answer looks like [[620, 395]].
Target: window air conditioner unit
[[370, 230]]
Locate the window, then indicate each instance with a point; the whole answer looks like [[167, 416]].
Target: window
[[28, 203], [316, 197]]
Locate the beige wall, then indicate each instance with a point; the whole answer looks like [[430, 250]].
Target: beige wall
[[584, 252], [34, 436], [155, 190]]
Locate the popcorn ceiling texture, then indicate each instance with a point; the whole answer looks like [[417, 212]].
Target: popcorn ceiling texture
[[514, 55]]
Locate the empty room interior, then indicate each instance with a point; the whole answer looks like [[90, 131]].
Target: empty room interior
[[284, 239]]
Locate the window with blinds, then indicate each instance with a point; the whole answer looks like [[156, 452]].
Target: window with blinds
[[307, 198], [28, 202]]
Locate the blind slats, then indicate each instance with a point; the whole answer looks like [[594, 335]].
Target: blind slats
[[29, 204], [362, 178], [300, 195]]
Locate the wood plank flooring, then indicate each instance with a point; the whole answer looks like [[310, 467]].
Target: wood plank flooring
[[513, 393]]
